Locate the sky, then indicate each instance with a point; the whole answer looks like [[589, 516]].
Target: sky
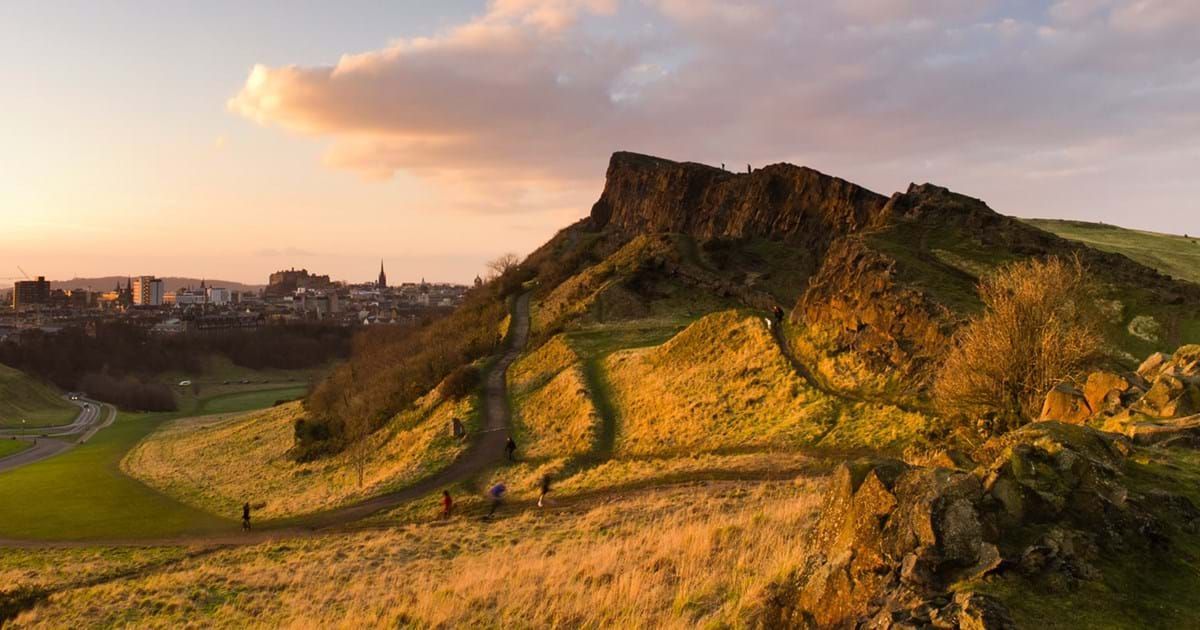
[[230, 139]]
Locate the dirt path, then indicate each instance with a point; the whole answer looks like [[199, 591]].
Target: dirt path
[[486, 451]]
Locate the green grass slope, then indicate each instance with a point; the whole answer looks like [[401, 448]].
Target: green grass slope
[[1174, 255], [24, 398], [82, 494]]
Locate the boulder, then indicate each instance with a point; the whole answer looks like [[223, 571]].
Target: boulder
[[1170, 396], [1104, 391], [1065, 403], [1151, 366]]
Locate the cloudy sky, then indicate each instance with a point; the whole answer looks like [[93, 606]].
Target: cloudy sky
[[222, 140]]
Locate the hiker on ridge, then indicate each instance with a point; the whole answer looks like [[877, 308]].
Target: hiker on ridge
[[246, 516]]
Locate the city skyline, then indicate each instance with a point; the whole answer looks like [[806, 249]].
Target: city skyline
[[188, 140]]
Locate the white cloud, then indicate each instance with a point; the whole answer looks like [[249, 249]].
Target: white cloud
[[519, 107]]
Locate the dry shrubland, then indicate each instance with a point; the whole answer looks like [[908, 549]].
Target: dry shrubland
[[1040, 327]]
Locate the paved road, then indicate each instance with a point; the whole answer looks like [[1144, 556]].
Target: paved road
[[50, 441]]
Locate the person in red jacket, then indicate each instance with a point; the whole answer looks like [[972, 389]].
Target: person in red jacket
[[447, 504]]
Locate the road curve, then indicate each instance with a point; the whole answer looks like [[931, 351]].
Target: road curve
[[51, 441]]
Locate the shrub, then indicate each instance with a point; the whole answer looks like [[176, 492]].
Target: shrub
[[1040, 327], [461, 382]]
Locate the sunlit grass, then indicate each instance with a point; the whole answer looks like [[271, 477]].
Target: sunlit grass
[[217, 463], [689, 556]]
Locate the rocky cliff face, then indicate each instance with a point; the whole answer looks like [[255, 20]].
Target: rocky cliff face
[[647, 194]]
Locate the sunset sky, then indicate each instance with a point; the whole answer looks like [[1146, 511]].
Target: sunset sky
[[230, 139]]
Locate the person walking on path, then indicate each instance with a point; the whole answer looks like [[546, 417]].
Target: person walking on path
[[496, 494], [246, 516], [778, 312], [447, 504], [545, 489], [510, 448]]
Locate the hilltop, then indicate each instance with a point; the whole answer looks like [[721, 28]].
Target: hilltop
[[1175, 255]]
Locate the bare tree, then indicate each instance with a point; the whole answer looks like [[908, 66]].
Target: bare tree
[[358, 427], [1039, 328], [502, 264]]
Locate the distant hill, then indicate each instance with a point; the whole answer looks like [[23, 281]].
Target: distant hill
[[1174, 255], [170, 283]]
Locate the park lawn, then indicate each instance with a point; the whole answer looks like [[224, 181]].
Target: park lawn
[[248, 400], [12, 447], [82, 494], [23, 397]]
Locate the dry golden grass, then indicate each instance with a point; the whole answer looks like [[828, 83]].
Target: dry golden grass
[[721, 383], [534, 369], [698, 555], [216, 464], [557, 419]]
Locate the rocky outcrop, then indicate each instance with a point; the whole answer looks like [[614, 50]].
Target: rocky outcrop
[[1065, 403], [856, 300], [645, 194], [895, 541]]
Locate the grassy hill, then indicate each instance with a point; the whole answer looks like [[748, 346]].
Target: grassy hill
[[1174, 255], [216, 463], [24, 398]]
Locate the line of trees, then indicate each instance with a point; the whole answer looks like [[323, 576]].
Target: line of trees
[[108, 363]]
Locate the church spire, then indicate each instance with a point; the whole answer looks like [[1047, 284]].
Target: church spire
[[382, 284]]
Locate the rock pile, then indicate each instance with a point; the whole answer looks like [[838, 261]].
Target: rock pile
[[895, 541], [1158, 403]]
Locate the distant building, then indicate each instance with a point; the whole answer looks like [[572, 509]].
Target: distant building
[[28, 293], [288, 281], [219, 296], [382, 284], [148, 291]]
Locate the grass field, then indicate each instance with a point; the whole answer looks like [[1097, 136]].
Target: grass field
[[1174, 255], [247, 400], [82, 494], [12, 447], [699, 555], [24, 398]]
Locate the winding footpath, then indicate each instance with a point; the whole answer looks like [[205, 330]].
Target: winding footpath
[[485, 451]]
